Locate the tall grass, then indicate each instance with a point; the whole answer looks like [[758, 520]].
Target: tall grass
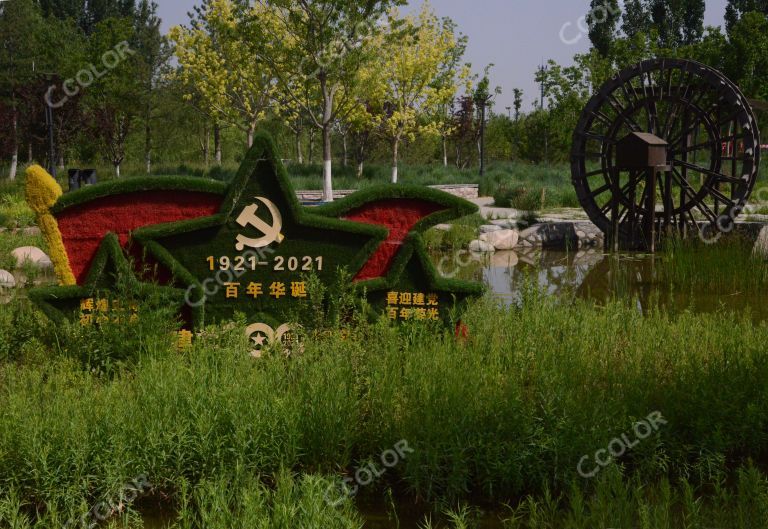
[[618, 501], [14, 211], [730, 265], [506, 414]]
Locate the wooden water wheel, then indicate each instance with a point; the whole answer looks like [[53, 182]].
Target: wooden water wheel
[[710, 135]]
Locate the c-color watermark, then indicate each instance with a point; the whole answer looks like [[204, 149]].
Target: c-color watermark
[[619, 446], [349, 486], [212, 285], [88, 75], [598, 14], [105, 509]]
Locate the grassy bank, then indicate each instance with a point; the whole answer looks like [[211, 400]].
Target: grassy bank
[[534, 186], [506, 415]]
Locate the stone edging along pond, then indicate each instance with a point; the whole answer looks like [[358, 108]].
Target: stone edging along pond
[[465, 191], [564, 235], [576, 235]]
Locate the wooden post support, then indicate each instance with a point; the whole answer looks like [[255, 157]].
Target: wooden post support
[[650, 205], [616, 185]]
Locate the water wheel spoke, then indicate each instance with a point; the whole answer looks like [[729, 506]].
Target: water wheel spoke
[[698, 204], [600, 190], [714, 142], [720, 197], [609, 206], [594, 173], [597, 137], [684, 133], [602, 117], [709, 172], [623, 114]]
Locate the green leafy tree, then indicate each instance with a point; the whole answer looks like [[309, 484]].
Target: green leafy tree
[[483, 98], [322, 42], [219, 70], [747, 58], [738, 8], [88, 14], [518, 104], [21, 51], [635, 18], [405, 78], [113, 101], [153, 53], [603, 19], [678, 22], [445, 86]]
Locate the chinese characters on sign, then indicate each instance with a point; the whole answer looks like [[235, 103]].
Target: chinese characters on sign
[[413, 306], [103, 310]]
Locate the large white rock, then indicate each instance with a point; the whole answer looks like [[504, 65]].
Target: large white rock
[[481, 247], [761, 244], [502, 239], [6, 279], [35, 256]]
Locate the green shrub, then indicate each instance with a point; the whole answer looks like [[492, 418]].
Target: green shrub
[[14, 212], [519, 197], [218, 172], [123, 338]]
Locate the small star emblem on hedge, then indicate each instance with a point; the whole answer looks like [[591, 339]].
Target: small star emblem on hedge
[[250, 247]]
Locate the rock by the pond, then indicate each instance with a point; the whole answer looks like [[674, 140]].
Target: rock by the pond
[[6, 279], [35, 256], [443, 227], [505, 224], [488, 228], [481, 247], [502, 239], [30, 231], [761, 244]]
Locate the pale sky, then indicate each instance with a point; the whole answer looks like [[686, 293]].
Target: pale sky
[[514, 35]]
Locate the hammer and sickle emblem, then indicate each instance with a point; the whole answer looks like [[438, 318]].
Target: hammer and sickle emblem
[[261, 334], [271, 232]]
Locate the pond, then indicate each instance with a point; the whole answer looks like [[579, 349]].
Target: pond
[[648, 281]]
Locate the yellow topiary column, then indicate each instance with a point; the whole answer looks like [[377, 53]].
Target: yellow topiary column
[[42, 192]]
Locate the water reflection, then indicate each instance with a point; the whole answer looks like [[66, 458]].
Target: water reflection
[[595, 275]]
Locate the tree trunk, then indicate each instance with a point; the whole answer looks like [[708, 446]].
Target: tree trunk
[[148, 142], [395, 149], [217, 142], [206, 145], [251, 134], [299, 154], [15, 148], [360, 157], [30, 154], [482, 140], [117, 170], [327, 164], [344, 146], [61, 162], [445, 152], [311, 146]]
